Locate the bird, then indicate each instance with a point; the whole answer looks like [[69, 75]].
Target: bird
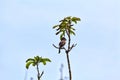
[[62, 43]]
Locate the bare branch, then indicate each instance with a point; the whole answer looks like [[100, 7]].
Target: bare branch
[[60, 48], [72, 47], [55, 46], [38, 75], [41, 74]]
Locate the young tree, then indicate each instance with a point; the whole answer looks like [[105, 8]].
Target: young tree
[[35, 62], [65, 28]]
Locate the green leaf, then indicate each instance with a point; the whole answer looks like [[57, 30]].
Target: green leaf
[[78, 19], [33, 64], [37, 58], [46, 59], [58, 32], [57, 29], [63, 34], [72, 28], [72, 32], [30, 59], [28, 64], [36, 61], [55, 26], [63, 25], [75, 19], [69, 17], [44, 62]]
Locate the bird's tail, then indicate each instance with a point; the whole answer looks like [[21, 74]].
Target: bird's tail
[[59, 51]]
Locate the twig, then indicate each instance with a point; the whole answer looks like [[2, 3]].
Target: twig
[[60, 48], [72, 47], [41, 74], [38, 75]]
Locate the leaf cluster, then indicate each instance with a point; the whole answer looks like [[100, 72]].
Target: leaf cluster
[[36, 60], [66, 26]]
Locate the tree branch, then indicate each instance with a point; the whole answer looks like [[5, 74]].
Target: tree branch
[[69, 67], [72, 47], [38, 75], [41, 74], [58, 47]]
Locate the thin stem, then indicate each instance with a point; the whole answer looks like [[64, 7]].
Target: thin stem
[[58, 47], [69, 68], [38, 75], [68, 34], [68, 50], [69, 40]]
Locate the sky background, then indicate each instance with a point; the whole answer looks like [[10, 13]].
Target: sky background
[[26, 31]]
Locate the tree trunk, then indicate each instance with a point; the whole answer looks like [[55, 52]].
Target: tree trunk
[[69, 68]]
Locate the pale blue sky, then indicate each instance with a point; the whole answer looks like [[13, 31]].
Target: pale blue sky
[[26, 31]]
